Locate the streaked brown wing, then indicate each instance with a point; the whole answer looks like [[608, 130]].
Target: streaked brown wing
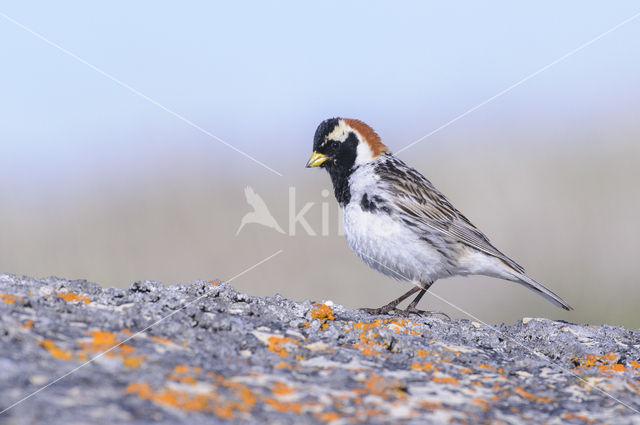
[[415, 196]]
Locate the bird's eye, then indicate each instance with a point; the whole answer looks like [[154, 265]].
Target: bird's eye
[[335, 144]]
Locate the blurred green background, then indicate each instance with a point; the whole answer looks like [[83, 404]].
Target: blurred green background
[[98, 183]]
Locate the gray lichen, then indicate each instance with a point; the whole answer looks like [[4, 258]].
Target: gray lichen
[[213, 355]]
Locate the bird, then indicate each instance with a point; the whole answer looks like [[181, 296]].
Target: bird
[[398, 223], [260, 213]]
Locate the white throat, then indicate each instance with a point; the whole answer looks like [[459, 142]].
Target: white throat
[[364, 153]]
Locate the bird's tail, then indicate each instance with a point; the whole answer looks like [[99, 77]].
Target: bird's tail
[[527, 282]]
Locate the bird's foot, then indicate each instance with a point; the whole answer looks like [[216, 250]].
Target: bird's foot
[[413, 310], [405, 313], [381, 310]]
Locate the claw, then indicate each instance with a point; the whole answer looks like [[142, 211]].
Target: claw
[[404, 313], [425, 312], [381, 310]]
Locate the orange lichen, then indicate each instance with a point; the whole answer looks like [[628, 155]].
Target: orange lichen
[[376, 385], [245, 395], [486, 366], [224, 412], [364, 325], [71, 297], [8, 298], [382, 387], [422, 353], [445, 380], [327, 416], [570, 416], [323, 313], [126, 349], [109, 343], [142, 389], [430, 405], [617, 367], [100, 342], [184, 374], [606, 363], [369, 334], [169, 397], [370, 343], [160, 339], [225, 400], [427, 367], [483, 403], [366, 337], [522, 393], [104, 339], [133, 362], [369, 349], [191, 380], [363, 415], [281, 406], [55, 351], [181, 369], [28, 324], [280, 388], [277, 344]]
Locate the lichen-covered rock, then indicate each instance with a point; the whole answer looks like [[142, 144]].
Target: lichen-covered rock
[[73, 352]]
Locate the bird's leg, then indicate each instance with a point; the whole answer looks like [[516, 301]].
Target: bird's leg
[[416, 300], [412, 307], [393, 304]]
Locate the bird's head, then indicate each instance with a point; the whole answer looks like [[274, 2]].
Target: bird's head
[[343, 143]]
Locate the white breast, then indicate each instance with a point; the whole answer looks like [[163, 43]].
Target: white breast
[[385, 244]]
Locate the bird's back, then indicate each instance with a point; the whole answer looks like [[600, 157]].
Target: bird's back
[[421, 206]]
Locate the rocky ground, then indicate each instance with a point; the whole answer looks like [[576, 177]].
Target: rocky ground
[[73, 352]]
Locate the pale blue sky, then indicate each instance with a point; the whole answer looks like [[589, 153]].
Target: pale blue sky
[[262, 75], [98, 183]]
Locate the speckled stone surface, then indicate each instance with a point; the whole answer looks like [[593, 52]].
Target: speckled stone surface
[[230, 357]]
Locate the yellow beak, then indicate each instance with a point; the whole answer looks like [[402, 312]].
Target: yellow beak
[[316, 160]]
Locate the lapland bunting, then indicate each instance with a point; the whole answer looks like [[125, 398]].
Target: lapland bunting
[[398, 223]]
